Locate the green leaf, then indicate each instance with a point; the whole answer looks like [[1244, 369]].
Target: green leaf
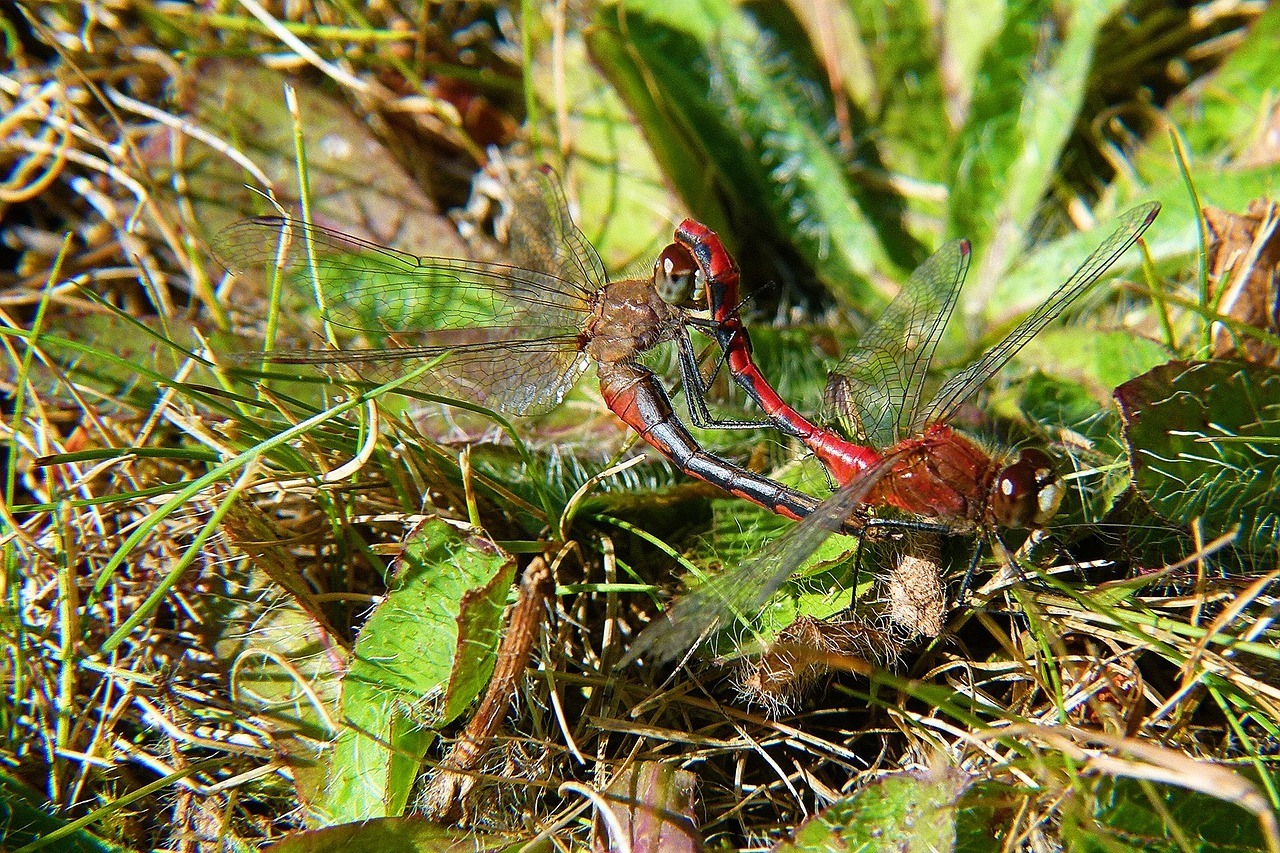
[[1098, 359], [745, 135], [1129, 814], [353, 176], [984, 811], [1039, 272], [817, 589], [107, 352], [1229, 153], [918, 814], [1056, 402], [25, 819], [620, 44], [1028, 90], [1203, 442], [1220, 115], [422, 657], [910, 110], [618, 193], [402, 835]]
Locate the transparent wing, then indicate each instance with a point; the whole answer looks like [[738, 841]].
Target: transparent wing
[[543, 236], [740, 592], [521, 377], [874, 390], [962, 386], [512, 329]]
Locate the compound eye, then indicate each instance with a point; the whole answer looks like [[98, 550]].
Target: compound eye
[[676, 276], [1027, 492]]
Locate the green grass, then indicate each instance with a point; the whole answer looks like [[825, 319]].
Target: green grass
[[240, 609]]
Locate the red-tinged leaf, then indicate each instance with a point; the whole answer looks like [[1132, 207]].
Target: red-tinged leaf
[[653, 802]]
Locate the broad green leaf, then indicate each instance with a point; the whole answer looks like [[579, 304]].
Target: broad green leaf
[[917, 813], [1116, 815], [744, 134], [992, 139], [106, 351], [284, 666], [25, 819], [1229, 156], [983, 814], [1203, 439], [1055, 402], [910, 112], [1220, 116], [1040, 271], [421, 658], [1130, 815], [808, 195], [612, 180], [353, 177], [835, 36], [817, 589], [967, 32], [403, 835], [670, 142], [1100, 360], [1028, 91]]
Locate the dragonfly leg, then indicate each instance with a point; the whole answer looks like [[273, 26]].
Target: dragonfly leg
[[968, 573], [1014, 561], [696, 389]]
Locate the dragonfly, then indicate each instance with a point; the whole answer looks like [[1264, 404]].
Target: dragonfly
[[904, 454], [512, 336]]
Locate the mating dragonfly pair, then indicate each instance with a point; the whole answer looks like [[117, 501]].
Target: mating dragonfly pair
[[516, 337]]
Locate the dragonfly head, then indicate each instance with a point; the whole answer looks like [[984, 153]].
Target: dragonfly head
[[1028, 491], [676, 276]]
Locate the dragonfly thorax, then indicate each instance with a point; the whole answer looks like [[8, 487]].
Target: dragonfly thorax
[[627, 318], [940, 475]]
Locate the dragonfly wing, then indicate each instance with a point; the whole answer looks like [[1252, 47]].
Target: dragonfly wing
[[495, 373], [875, 389], [543, 236], [739, 592], [963, 385], [367, 287], [513, 330]]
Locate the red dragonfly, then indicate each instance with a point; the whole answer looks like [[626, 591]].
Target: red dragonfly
[[927, 470], [515, 336]]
